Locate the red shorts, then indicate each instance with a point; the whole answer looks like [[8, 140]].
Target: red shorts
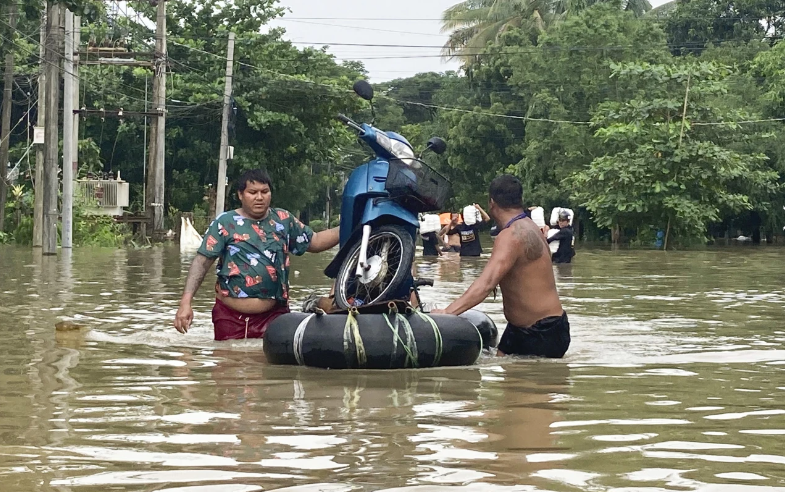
[[233, 325]]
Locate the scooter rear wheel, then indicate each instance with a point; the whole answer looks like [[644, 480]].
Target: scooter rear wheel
[[390, 255]]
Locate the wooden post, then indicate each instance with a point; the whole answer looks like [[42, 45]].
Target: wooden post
[[51, 159], [220, 187], [5, 128], [159, 174]]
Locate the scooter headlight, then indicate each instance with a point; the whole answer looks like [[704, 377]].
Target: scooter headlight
[[398, 149], [405, 153], [384, 141], [401, 150]]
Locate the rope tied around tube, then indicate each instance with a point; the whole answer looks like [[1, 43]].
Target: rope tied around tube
[[410, 345], [351, 332], [437, 337]]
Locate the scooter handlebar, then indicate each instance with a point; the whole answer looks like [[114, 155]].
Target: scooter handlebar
[[423, 282], [350, 122]]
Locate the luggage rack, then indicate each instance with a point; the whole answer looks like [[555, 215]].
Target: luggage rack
[[417, 186]]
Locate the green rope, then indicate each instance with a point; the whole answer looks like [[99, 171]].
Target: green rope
[[410, 340], [437, 335], [396, 337], [352, 330]]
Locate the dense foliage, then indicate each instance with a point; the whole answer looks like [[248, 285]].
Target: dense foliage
[[667, 121]]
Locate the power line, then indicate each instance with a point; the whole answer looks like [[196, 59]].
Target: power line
[[79, 77], [19, 122], [471, 111], [363, 28], [382, 19], [360, 19]]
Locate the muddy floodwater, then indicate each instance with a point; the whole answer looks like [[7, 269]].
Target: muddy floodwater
[[675, 381]]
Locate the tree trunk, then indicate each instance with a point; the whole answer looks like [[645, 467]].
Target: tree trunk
[[755, 225], [5, 127], [667, 235]]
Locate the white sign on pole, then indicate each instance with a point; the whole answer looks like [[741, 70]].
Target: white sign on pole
[[38, 135], [230, 153]]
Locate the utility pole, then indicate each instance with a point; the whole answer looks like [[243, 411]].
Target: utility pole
[[38, 199], [68, 132], [220, 187], [77, 39], [51, 158], [156, 174], [5, 128]]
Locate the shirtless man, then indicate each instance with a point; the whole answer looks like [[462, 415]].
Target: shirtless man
[[521, 265]]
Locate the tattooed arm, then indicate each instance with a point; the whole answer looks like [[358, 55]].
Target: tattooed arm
[[196, 274], [503, 258]]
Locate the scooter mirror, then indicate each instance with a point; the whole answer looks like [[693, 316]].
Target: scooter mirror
[[363, 89], [437, 145]]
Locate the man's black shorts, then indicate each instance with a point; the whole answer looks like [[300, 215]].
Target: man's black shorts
[[549, 337]]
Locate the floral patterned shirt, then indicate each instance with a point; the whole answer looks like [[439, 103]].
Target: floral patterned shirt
[[253, 255]]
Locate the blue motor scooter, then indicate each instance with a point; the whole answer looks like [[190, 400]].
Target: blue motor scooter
[[379, 215]]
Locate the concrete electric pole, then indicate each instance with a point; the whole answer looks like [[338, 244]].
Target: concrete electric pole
[[68, 132]]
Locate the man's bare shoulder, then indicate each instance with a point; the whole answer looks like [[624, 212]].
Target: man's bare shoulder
[[525, 238]]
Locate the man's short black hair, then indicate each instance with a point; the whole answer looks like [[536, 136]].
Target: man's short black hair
[[256, 175], [506, 191]]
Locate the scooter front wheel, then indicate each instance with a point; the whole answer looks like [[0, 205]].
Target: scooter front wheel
[[390, 256]]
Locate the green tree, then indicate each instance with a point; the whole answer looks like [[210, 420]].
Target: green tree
[[472, 24], [662, 166], [693, 25], [560, 84]]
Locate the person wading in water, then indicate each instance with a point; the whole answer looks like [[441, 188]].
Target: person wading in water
[[252, 245], [520, 264]]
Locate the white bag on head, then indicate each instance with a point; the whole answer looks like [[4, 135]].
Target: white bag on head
[[538, 216], [471, 215], [555, 215], [430, 223]]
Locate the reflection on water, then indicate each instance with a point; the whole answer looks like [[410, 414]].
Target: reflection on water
[[674, 382]]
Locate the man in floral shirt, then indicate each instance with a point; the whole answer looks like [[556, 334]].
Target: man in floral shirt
[[252, 245]]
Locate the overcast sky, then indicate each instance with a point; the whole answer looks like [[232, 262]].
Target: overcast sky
[[400, 22]]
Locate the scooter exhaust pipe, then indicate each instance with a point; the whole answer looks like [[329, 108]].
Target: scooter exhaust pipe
[[362, 265]]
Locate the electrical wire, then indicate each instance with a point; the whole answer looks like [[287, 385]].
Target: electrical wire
[[21, 119], [472, 111], [78, 76], [360, 28]]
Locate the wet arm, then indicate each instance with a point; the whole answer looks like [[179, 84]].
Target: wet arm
[[322, 241], [196, 275], [440, 240], [557, 236], [502, 260], [485, 216]]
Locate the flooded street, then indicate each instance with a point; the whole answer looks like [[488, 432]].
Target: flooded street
[[674, 381]]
